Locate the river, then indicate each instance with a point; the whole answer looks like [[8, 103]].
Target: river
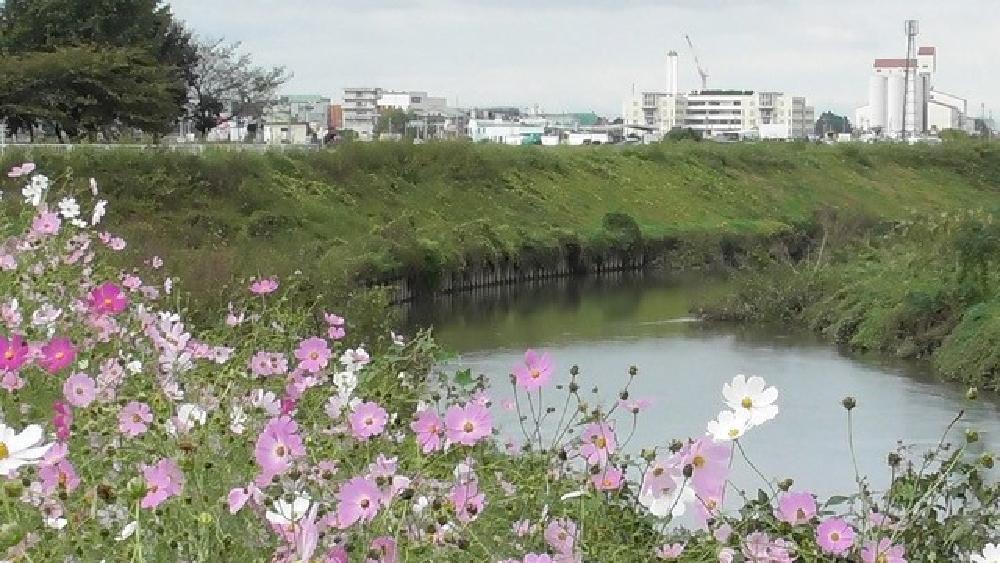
[[604, 325]]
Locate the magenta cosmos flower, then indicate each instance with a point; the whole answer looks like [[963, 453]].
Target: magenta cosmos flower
[[359, 501], [535, 372], [835, 536], [883, 552], [13, 352], [469, 424], [385, 548], [598, 443], [134, 418], [796, 507], [79, 390], [46, 223], [277, 446], [367, 420], [608, 479], [57, 354], [107, 299], [468, 501], [62, 419], [427, 428], [264, 286], [709, 463], [163, 480], [313, 354]]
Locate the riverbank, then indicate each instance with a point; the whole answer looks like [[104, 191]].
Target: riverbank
[[929, 289], [440, 214]]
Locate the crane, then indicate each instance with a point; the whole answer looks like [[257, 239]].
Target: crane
[[701, 71]]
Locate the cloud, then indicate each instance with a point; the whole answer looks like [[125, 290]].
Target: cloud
[[586, 54]]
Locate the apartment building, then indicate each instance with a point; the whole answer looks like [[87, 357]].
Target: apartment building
[[360, 111]]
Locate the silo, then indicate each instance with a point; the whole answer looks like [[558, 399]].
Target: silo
[[919, 103], [895, 96], [876, 100]]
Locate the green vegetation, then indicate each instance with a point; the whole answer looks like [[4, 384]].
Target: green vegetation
[[928, 289], [388, 210]]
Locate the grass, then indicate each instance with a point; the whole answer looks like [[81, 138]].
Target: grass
[[376, 211]]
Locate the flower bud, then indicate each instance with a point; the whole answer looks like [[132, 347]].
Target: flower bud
[[623, 395], [785, 484], [575, 370], [986, 461], [849, 402], [688, 471], [894, 459], [632, 370], [971, 436], [972, 394]]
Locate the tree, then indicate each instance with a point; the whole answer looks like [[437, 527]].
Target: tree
[[393, 121], [830, 122], [142, 54], [226, 81]]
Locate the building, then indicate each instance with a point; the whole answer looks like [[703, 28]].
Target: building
[[276, 133], [335, 117], [361, 111], [413, 101], [503, 132]]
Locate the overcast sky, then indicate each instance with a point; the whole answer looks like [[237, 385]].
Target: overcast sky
[[578, 55]]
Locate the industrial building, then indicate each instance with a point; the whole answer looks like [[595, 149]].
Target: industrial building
[[903, 101], [724, 114]]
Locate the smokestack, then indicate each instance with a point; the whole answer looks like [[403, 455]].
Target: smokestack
[[672, 73]]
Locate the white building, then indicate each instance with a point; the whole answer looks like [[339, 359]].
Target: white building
[[502, 132], [891, 110], [415, 101], [361, 111]]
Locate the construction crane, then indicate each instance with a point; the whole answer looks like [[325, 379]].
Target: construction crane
[[701, 71]]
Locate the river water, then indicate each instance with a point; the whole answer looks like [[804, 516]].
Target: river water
[[605, 325]]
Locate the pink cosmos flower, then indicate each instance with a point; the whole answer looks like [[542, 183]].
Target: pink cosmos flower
[[107, 299], [385, 548], [598, 443], [60, 474], [22, 170], [277, 446], [239, 496], [131, 282], [62, 419], [883, 552], [57, 354], [634, 406], [796, 507], [709, 461], [469, 424], [359, 501], [535, 372], [163, 480], [669, 552], [427, 428], [264, 286], [835, 536], [468, 501], [80, 390], [134, 418], [537, 558], [561, 535], [608, 479], [337, 555], [336, 329], [268, 363], [46, 223], [367, 419], [313, 354], [13, 352]]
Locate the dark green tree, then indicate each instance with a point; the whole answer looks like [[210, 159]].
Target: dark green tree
[[830, 122]]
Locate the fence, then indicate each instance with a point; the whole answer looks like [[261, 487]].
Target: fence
[[194, 148]]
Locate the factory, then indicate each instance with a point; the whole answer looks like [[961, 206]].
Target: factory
[[904, 103]]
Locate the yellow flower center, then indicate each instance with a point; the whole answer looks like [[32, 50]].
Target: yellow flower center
[[369, 421], [800, 514], [601, 442], [698, 461], [9, 354], [4, 452], [535, 374], [469, 427], [734, 432], [882, 558], [108, 301], [747, 403], [834, 536]]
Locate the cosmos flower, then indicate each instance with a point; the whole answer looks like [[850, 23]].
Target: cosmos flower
[[598, 442], [535, 372], [264, 286], [796, 507], [883, 551], [469, 424], [427, 427], [80, 390], [57, 354], [134, 418], [163, 480], [313, 354], [18, 449], [835, 536], [359, 500], [107, 299], [367, 419], [753, 397], [729, 425]]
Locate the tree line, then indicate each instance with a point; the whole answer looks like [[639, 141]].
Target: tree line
[[86, 69]]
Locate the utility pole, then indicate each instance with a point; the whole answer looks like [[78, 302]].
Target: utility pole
[[3, 137]]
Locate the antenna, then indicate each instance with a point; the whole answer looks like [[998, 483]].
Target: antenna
[[697, 63], [909, 85]]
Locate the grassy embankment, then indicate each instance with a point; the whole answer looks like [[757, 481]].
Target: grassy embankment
[[387, 210]]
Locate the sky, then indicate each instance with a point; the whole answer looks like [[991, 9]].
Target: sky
[[587, 55]]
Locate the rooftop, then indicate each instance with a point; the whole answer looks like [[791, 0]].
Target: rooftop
[[927, 51], [893, 63]]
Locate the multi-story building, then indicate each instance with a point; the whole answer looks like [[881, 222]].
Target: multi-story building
[[503, 131], [335, 117], [415, 101], [656, 110], [361, 111]]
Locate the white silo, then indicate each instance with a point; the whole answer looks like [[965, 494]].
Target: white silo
[[877, 85], [895, 99]]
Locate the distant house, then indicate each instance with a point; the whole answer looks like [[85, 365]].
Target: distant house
[[502, 132], [287, 133]]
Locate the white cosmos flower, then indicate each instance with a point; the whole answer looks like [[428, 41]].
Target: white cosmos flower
[[99, 209], [237, 419], [56, 523], [670, 500], [190, 414], [127, 531], [753, 396], [69, 208], [20, 448], [730, 425], [287, 513], [35, 190], [991, 554], [345, 382]]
